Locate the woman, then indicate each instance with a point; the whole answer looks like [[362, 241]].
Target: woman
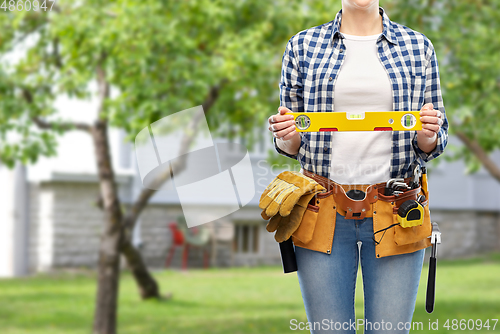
[[361, 61]]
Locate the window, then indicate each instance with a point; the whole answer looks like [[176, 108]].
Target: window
[[246, 238]]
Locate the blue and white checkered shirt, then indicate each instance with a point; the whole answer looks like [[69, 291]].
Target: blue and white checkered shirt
[[311, 64]]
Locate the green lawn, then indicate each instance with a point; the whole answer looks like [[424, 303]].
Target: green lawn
[[232, 301]]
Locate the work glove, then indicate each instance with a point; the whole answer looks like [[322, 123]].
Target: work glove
[[286, 226], [284, 192]]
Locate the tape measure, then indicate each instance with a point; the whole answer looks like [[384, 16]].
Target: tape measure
[[410, 213], [357, 121]]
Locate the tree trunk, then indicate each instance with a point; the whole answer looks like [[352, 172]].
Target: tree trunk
[[148, 288], [112, 236], [116, 236], [480, 154]]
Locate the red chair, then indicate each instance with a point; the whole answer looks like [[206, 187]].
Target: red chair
[[180, 240]]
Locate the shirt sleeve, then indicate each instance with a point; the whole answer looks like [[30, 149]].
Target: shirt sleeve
[[291, 93], [433, 95]]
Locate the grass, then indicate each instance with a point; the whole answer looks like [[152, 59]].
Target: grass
[[237, 300]]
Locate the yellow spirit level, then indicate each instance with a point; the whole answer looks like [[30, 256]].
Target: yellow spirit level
[[357, 121]]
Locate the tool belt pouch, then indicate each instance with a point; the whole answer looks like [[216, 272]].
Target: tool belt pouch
[[316, 229], [306, 228], [408, 235]]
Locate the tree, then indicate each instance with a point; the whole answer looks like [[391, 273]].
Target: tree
[[148, 59], [465, 36]]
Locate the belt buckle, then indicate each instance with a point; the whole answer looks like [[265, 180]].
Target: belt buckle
[[349, 214]]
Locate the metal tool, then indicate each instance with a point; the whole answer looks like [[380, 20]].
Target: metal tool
[[431, 281], [421, 198], [391, 181], [390, 189], [415, 181], [395, 187], [400, 185]]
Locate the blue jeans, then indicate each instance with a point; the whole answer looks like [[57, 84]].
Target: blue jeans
[[328, 282]]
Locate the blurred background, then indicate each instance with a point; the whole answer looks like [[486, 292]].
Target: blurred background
[[85, 247]]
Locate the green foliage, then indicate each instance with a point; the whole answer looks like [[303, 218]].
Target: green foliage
[[159, 57], [465, 36]]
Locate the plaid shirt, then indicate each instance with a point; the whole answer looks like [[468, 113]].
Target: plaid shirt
[[311, 64]]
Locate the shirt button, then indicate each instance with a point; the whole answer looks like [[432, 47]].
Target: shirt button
[[325, 149], [341, 50], [330, 78]]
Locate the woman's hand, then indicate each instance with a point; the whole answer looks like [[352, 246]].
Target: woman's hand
[[283, 126], [431, 123]]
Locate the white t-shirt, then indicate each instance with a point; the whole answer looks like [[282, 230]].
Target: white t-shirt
[[362, 85]]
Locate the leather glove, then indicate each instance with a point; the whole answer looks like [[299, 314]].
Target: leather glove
[[284, 192], [286, 226]]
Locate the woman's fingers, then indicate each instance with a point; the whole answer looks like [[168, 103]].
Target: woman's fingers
[[427, 110], [285, 133], [431, 120], [431, 112], [279, 118], [430, 129], [280, 126], [290, 135], [283, 110]]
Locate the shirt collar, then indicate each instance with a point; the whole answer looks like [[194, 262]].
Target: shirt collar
[[388, 31]]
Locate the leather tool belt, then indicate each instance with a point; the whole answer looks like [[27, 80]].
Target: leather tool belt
[[359, 207]]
